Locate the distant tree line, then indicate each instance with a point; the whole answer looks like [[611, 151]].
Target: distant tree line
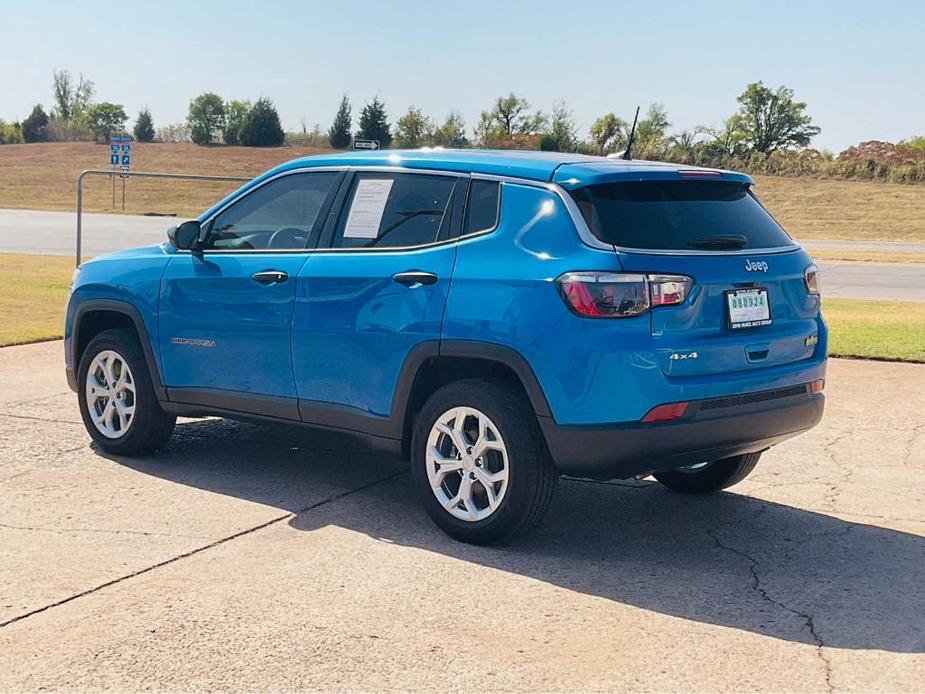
[[770, 132]]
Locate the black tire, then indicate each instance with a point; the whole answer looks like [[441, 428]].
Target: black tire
[[531, 474], [716, 475], [150, 426]]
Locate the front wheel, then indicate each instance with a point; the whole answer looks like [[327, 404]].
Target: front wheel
[[713, 476], [117, 400], [479, 462]]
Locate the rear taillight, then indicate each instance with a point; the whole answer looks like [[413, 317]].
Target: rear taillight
[[619, 294], [811, 278]]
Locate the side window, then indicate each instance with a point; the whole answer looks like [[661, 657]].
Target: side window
[[385, 210], [482, 206], [279, 215]]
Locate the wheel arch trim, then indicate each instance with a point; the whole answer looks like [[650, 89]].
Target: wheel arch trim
[[88, 306]]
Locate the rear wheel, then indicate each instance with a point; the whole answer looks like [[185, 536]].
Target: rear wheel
[[479, 462], [117, 400], [713, 476]]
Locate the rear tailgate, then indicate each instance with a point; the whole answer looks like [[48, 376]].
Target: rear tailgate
[[749, 306], [697, 338]]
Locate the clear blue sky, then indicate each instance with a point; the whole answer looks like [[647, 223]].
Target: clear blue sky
[[859, 65]]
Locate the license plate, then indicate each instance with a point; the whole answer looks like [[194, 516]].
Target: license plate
[[748, 308]]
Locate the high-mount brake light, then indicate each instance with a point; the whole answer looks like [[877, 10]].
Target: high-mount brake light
[[621, 295], [694, 173], [811, 278]]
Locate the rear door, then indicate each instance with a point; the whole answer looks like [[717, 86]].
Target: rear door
[[749, 307], [375, 289]]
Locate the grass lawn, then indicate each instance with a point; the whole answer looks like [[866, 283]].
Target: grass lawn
[[821, 254], [892, 330], [33, 290], [43, 176]]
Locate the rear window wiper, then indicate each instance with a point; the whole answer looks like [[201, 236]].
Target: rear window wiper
[[730, 242]]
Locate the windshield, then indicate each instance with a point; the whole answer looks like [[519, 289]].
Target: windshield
[[679, 215]]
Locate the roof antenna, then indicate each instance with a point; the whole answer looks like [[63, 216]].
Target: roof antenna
[[628, 152]]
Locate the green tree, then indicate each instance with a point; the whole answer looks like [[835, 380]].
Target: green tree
[[513, 114], [725, 141], [261, 127], [650, 139], [105, 119], [35, 127], [144, 126], [71, 99], [917, 143], [608, 133], [452, 132], [10, 133], [770, 120], [374, 123], [413, 129], [562, 134], [339, 133], [235, 115], [206, 117], [487, 131]]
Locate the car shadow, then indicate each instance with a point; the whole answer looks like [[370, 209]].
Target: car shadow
[[725, 559]]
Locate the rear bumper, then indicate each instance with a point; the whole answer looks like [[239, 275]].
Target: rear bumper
[[711, 430]]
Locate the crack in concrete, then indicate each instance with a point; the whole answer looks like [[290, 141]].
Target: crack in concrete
[[35, 400], [198, 550], [39, 419], [910, 446], [101, 530], [835, 490], [758, 587], [608, 483]]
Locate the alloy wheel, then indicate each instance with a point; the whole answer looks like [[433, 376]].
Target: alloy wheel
[[467, 464], [110, 392]]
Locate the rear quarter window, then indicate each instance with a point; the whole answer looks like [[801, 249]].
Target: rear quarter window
[[482, 206], [679, 215]]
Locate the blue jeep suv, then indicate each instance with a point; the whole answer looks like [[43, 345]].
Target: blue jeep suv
[[498, 318]]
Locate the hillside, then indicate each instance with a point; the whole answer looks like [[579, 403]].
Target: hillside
[[43, 176]]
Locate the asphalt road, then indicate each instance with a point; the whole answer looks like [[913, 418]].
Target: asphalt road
[[244, 558], [53, 233]]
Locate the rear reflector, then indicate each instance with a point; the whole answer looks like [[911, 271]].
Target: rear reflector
[[817, 386], [665, 413]]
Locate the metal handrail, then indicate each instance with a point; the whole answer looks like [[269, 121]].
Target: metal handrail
[[140, 174]]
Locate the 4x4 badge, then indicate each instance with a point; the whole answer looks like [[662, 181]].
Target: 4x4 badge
[[756, 265], [681, 355]]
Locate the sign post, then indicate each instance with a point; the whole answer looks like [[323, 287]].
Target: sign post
[[120, 155]]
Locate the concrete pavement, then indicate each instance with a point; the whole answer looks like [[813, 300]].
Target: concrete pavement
[[53, 233], [245, 558]]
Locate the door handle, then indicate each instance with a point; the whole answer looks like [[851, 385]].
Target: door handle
[[269, 276], [413, 278]]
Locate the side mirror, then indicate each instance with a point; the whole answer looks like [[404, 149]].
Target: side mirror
[[186, 236]]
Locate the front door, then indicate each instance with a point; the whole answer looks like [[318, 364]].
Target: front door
[[226, 316], [373, 291]]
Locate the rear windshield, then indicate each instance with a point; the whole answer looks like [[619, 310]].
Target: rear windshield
[[677, 215]]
